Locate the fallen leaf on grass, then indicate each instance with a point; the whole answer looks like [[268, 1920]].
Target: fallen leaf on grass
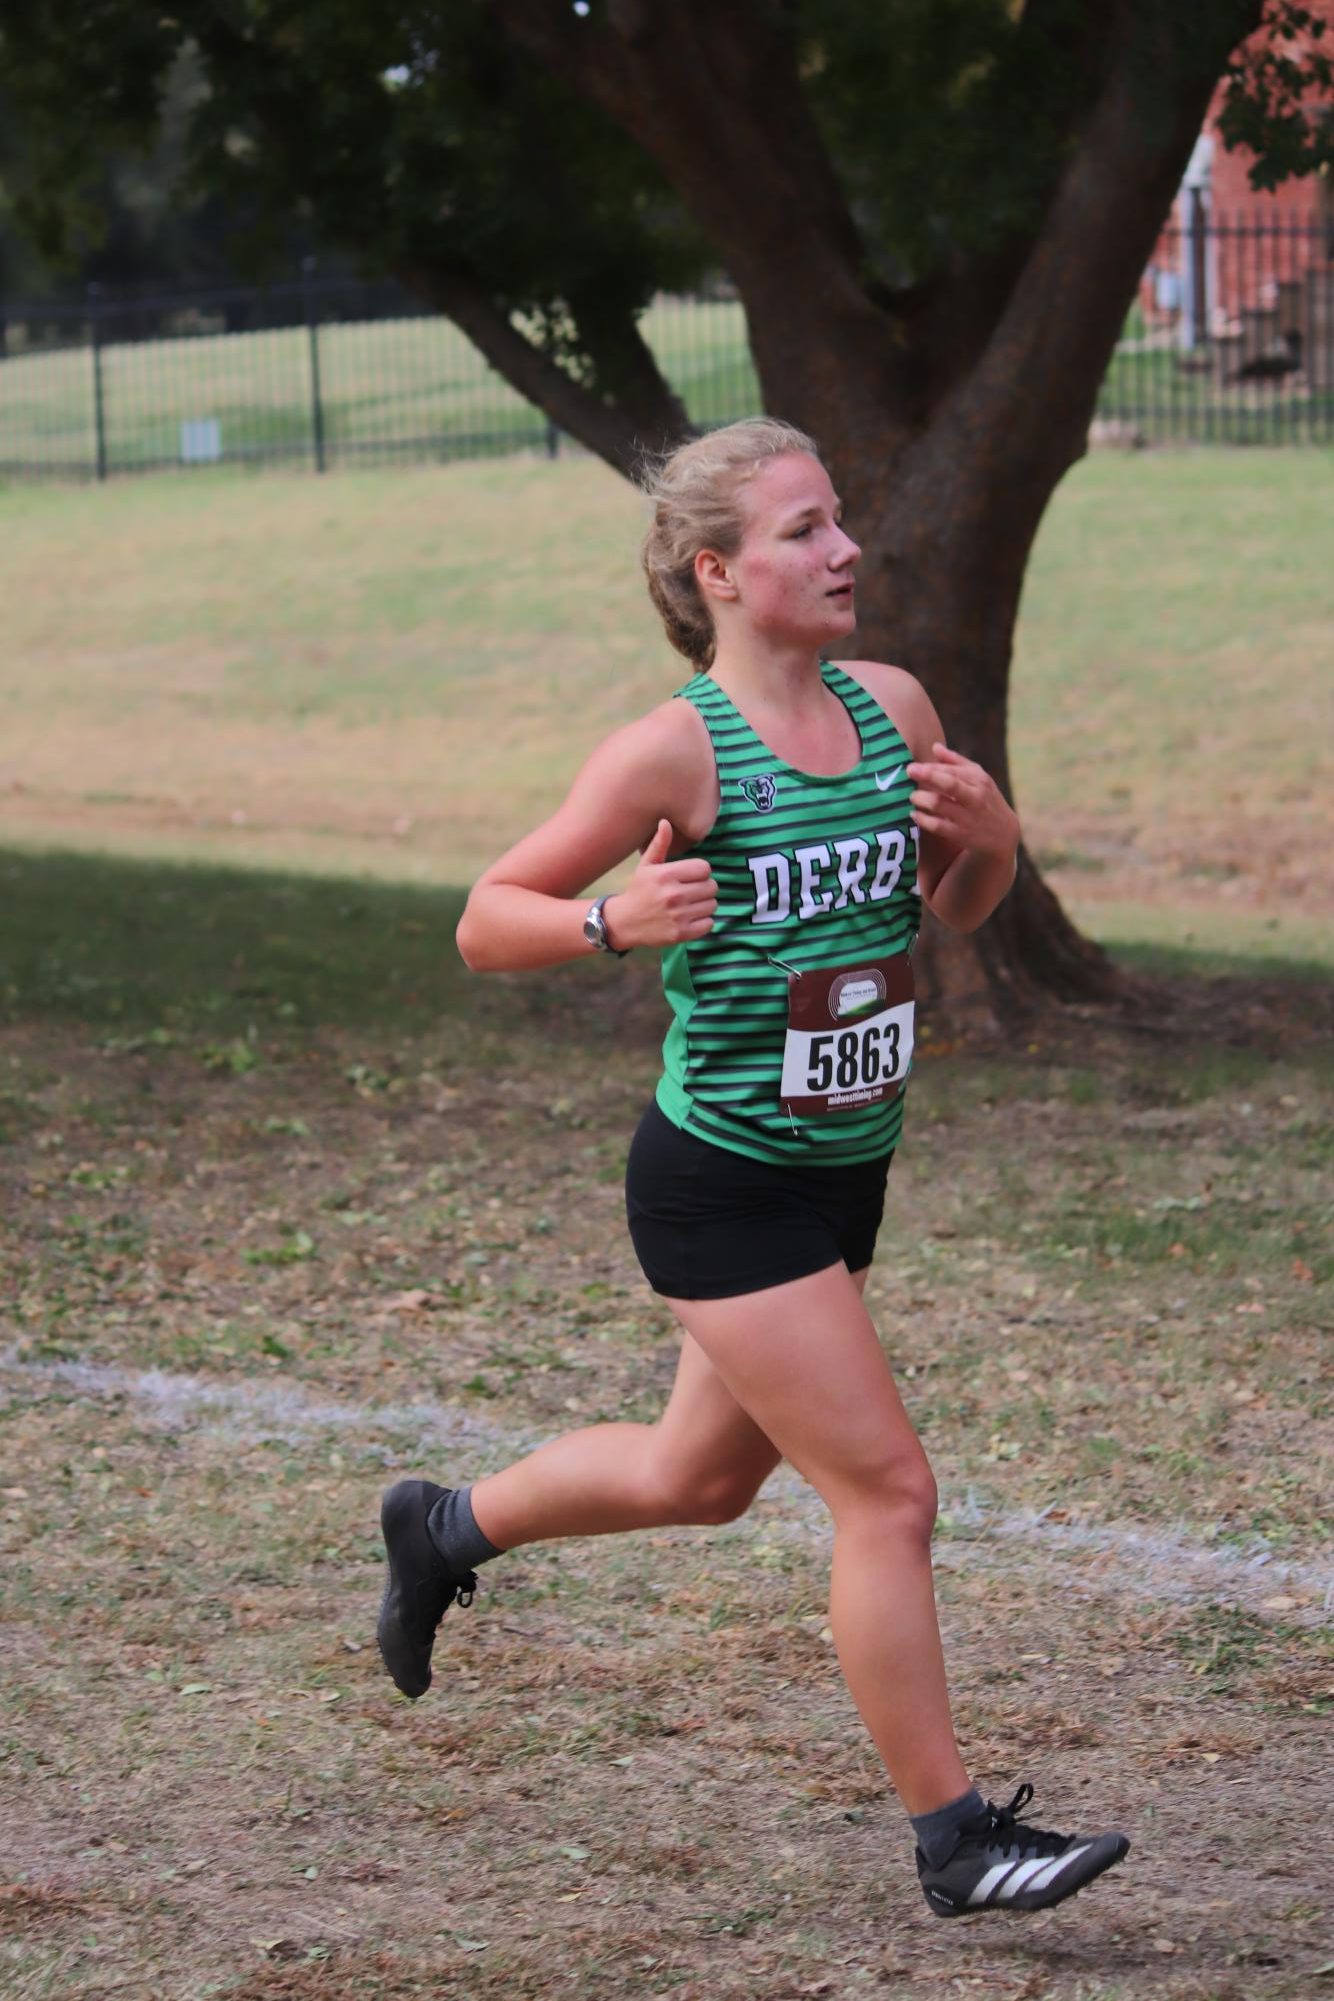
[[196, 1688], [414, 1301]]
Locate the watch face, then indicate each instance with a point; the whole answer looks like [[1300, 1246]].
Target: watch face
[[594, 930]]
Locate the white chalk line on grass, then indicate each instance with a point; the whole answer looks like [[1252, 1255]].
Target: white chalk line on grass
[[1167, 1564]]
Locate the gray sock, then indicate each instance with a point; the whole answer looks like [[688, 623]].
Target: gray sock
[[453, 1529], [937, 1832]]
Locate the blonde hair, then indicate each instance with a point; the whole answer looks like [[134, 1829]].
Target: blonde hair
[[696, 495]]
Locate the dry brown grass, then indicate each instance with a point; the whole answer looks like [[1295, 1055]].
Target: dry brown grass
[[640, 1772]]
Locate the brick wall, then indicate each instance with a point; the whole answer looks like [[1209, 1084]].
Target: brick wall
[[1268, 263]]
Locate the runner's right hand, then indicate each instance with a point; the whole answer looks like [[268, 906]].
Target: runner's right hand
[[664, 902]]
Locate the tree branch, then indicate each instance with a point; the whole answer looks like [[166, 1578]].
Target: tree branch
[[592, 59], [639, 412], [1051, 342], [628, 369], [713, 96], [648, 417]]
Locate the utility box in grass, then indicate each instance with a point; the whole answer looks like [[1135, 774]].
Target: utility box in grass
[[201, 441]]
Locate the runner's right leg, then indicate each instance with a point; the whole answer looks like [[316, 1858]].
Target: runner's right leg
[[804, 1360]]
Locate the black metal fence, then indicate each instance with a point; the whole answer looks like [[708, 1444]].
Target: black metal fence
[[1231, 339]]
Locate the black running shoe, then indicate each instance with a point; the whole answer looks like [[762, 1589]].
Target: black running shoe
[[1000, 1864], [420, 1589]]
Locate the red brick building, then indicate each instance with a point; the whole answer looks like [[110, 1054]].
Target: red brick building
[[1245, 271]]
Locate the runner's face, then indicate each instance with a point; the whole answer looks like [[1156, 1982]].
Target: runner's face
[[794, 570]]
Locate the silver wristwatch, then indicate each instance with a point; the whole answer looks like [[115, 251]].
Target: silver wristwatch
[[595, 929]]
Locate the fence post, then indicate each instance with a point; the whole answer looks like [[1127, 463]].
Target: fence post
[[1198, 242], [99, 406], [313, 336]]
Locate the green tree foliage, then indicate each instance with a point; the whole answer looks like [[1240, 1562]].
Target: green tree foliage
[[442, 142], [130, 213], [417, 140], [1280, 96]]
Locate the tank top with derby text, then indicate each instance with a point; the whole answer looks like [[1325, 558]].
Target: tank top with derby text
[[813, 873]]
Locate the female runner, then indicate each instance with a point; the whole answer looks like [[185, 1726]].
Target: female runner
[[791, 816]]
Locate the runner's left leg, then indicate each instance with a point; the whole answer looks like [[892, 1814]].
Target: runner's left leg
[[803, 1358]]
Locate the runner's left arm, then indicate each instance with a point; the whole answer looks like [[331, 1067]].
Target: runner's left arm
[[970, 837], [969, 831]]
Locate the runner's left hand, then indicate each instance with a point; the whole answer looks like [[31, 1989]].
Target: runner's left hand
[[961, 803]]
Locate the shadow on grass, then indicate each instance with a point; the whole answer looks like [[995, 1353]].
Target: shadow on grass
[[135, 947], [1204, 962]]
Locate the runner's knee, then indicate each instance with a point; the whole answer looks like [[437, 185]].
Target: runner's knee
[[686, 1495], [895, 1495]]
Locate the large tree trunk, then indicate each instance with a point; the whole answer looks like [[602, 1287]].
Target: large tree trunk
[[946, 535]]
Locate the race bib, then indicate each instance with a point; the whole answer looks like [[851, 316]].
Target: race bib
[[849, 1036]]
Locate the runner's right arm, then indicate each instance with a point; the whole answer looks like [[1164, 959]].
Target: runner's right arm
[[646, 787]]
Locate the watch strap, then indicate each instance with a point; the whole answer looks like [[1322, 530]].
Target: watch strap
[[595, 929]]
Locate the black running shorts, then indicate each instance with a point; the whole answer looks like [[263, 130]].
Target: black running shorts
[[708, 1223]]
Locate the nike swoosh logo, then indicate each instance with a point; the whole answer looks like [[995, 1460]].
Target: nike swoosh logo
[[884, 780]]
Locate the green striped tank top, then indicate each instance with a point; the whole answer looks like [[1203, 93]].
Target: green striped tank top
[[811, 872]]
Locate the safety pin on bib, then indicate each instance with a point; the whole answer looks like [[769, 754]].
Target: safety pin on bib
[[794, 972]]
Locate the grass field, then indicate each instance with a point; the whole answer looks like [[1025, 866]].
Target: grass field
[[290, 1204]]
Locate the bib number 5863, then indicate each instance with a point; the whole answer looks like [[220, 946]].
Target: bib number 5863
[[843, 1061], [849, 1036]]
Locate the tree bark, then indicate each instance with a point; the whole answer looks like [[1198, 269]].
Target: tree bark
[[938, 593]]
